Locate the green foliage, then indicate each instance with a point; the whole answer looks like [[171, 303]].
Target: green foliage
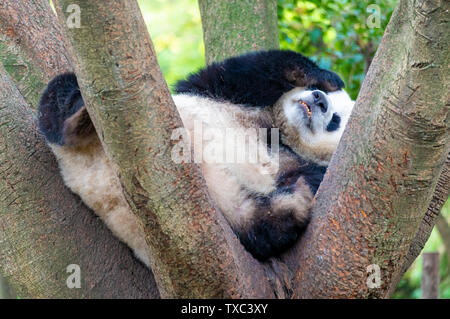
[[335, 34], [176, 31]]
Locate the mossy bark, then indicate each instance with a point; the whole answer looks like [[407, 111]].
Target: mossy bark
[[31, 46], [233, 27], [193, 251]]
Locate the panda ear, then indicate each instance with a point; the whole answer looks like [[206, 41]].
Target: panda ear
[[78, 129], [334, 123]]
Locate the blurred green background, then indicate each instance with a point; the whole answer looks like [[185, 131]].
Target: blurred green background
[[335, 34]]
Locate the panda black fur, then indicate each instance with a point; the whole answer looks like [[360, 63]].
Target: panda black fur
[[267, 211], [259, 78]]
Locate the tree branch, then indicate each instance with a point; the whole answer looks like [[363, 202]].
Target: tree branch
[[31, 46], [440, 196], [193, 251], [43, 226], [232, 28]]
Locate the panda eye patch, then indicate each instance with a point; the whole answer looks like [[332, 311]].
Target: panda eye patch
[[334, 123]]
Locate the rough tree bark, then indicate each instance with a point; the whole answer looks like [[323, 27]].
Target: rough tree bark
[[44, 227], [444, 231], [382, 177], [440, 196], [233, 27], [193, 251], [31, 46], [430, 276]]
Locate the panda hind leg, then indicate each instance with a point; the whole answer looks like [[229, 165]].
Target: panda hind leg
[[270, 235], [279, 221]]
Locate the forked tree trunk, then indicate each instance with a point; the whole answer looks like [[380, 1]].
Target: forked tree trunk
[[44, 228], [380, 181], [400, 35]]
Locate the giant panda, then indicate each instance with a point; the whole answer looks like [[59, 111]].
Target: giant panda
[[267, 203]]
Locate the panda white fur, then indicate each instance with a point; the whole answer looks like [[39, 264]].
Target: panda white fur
[[268, 202]]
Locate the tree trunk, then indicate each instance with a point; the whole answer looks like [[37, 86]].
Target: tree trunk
[[382, 176], [193, 251], [444, 231], [400, 34], [440, 196], [232, 27], [43, 227], [430, 276]]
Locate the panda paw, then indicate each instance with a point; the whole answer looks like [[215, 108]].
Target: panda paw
[[324, 80], [270, 235]]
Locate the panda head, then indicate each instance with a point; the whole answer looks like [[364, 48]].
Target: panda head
[[312, 121]]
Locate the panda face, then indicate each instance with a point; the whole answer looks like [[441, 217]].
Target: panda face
[[310, 110], [312, 121]]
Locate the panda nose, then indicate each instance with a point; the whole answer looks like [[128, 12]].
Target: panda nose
[[320, 100]]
